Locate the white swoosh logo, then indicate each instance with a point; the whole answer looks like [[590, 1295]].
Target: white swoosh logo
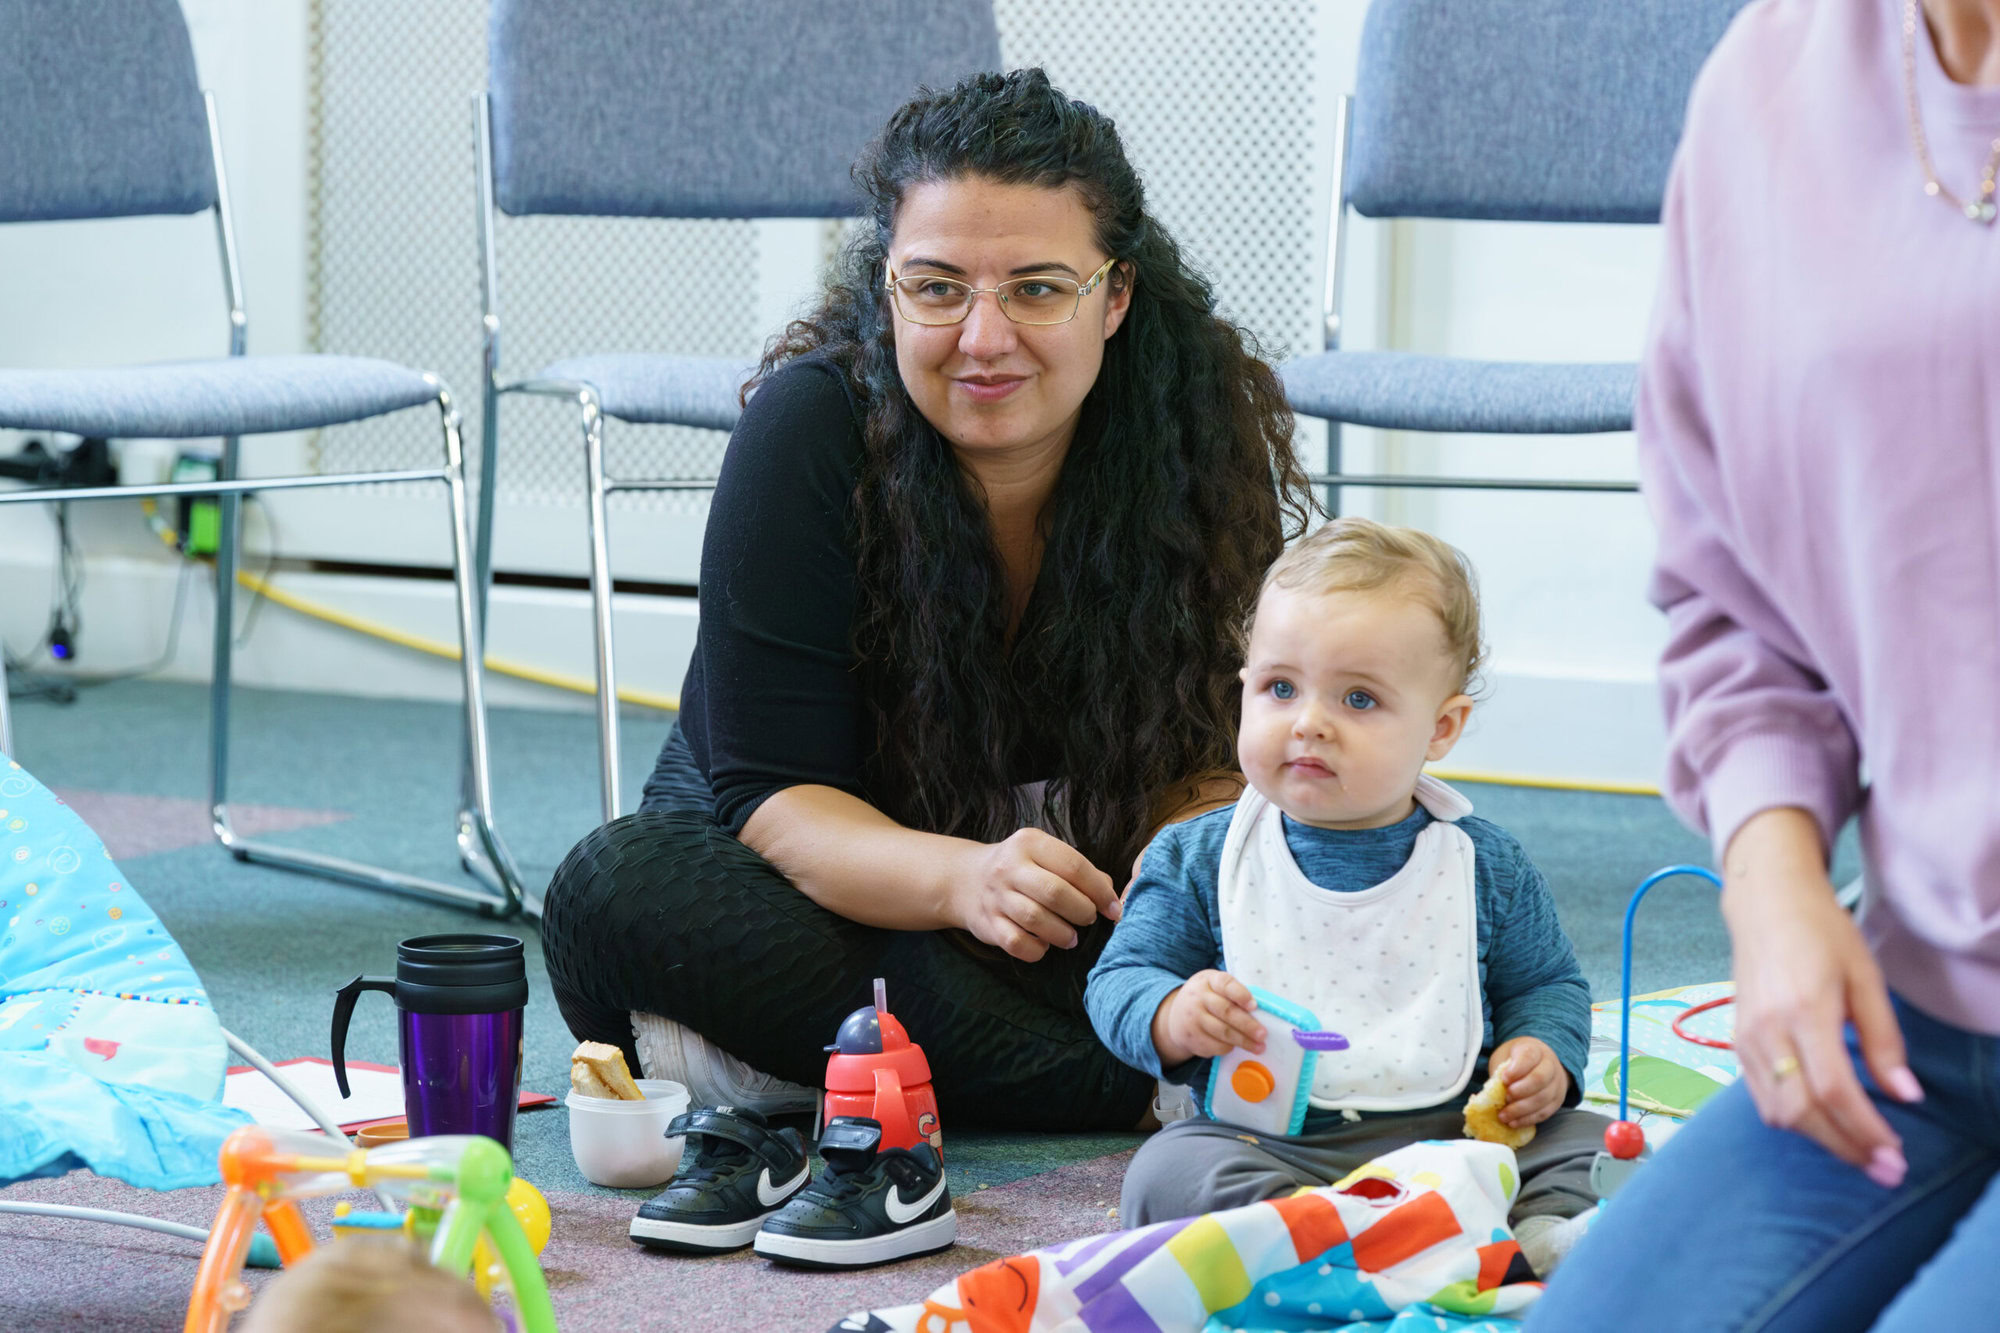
[[900, 1212], [769, 1195]]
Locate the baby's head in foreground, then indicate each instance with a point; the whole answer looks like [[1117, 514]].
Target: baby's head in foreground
[[368, 1286]]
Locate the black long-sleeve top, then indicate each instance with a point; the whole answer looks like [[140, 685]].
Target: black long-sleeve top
[[773, 698]]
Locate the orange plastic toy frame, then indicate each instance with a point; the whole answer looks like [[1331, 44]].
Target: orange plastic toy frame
[[266, 1171]]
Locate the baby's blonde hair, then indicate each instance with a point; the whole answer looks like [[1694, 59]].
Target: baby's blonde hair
[[364, 1285], [1361, 555]]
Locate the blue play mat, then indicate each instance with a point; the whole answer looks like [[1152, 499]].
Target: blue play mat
[[110, 1056]]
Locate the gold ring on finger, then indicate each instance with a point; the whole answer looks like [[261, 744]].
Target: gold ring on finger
[[1784, 1066]]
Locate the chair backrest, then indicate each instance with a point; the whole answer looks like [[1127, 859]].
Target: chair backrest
[[1524, 110], [693, 108], [101, 113]]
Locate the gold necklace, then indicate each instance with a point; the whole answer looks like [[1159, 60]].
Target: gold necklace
[[1979, 210]]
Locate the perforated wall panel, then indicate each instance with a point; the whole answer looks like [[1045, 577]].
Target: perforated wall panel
[[1223, 107], [1224, 110], [395, 262]]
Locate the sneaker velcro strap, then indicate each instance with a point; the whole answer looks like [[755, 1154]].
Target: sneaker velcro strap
[[718, 1123], [853, 1133]]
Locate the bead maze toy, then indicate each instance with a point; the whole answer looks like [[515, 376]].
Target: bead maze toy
[[1268, 1091], [1625, 1143], [456, 1189]]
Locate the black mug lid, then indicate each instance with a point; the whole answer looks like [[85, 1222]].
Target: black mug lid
[[460, 960]]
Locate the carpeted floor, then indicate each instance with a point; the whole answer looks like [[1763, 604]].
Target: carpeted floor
[[374, 779]]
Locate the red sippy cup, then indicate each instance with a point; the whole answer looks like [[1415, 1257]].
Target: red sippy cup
[[875, 1070]]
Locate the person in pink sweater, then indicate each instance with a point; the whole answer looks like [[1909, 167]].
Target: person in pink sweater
[[1819, 439]]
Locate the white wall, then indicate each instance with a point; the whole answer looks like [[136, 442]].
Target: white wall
[[1562, 577], [150, 289], [1574, 642]]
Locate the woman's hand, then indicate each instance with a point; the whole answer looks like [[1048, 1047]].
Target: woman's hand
[[1207, 1015], [1802, 973], [1536, 1081], [1029, 894]]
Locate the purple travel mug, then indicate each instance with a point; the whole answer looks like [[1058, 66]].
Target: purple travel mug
[[460, 999]]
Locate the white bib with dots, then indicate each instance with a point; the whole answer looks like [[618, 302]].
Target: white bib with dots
[[1393, 968]]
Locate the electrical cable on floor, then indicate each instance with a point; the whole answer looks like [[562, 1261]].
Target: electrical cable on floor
[[26, 686], [66, 616], [263, 587], [1544, 784], [62, 689], [166, 657], [257, 599], [66, 619]]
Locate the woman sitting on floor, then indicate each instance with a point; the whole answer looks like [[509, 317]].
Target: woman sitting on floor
[[966, 603]]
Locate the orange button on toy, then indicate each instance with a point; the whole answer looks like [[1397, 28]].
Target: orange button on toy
[[1252, 1082]]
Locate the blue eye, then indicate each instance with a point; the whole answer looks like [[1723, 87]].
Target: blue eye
[[1282, 689], [1360, 700]]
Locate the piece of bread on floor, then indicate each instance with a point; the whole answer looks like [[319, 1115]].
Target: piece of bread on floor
[[1482, 1117], [598, 1070]]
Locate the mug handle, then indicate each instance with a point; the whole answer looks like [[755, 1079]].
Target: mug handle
[[343, 1010]]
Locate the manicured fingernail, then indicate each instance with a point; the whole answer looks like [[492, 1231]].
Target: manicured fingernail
[[1887, 1168], [1117, 910], [1903, 1085]]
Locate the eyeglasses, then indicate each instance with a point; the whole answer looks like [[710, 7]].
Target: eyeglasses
[[1042, 298]]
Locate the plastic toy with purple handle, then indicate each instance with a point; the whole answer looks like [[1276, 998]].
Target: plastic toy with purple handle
[[1320, 1041], [1268, 1092]]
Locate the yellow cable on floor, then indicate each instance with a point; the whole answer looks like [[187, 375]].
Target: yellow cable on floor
[[670, 703], [1545, 784], [556, 680]]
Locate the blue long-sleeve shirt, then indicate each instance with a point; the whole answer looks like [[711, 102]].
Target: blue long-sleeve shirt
[[1529, 982]]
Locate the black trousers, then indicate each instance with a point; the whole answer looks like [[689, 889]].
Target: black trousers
[[666, 913]]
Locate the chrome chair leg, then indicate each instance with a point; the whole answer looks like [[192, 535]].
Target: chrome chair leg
[[600, 605], [231, 533], [482, 535], [480, 848], [6, 713]]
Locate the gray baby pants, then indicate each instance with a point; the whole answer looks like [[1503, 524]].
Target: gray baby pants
[[1202, 1166]]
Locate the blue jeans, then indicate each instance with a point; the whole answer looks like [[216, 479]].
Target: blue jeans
[[1738, 1226]]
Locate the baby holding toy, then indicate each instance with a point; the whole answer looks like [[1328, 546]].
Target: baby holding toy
[[1348, 882]]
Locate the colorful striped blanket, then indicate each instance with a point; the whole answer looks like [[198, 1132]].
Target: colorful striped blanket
[[1417, 1239]]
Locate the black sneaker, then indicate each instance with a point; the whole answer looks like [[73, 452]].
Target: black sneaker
[[735, 1172], [870, 1204]]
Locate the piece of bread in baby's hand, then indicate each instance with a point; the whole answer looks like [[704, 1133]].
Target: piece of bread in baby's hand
[[598, 1070], [1482, 1117]]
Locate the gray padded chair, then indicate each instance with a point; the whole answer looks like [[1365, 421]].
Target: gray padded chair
[[104, 117], [681, 109], [1503, 110]]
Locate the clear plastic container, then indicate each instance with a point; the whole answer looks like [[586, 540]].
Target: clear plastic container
[[625, 1144]]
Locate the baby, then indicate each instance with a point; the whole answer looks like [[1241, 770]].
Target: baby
[[365, 1286], [1346, 881]]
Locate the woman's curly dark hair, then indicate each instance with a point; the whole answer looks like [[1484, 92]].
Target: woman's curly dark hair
[[1180, 486]]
